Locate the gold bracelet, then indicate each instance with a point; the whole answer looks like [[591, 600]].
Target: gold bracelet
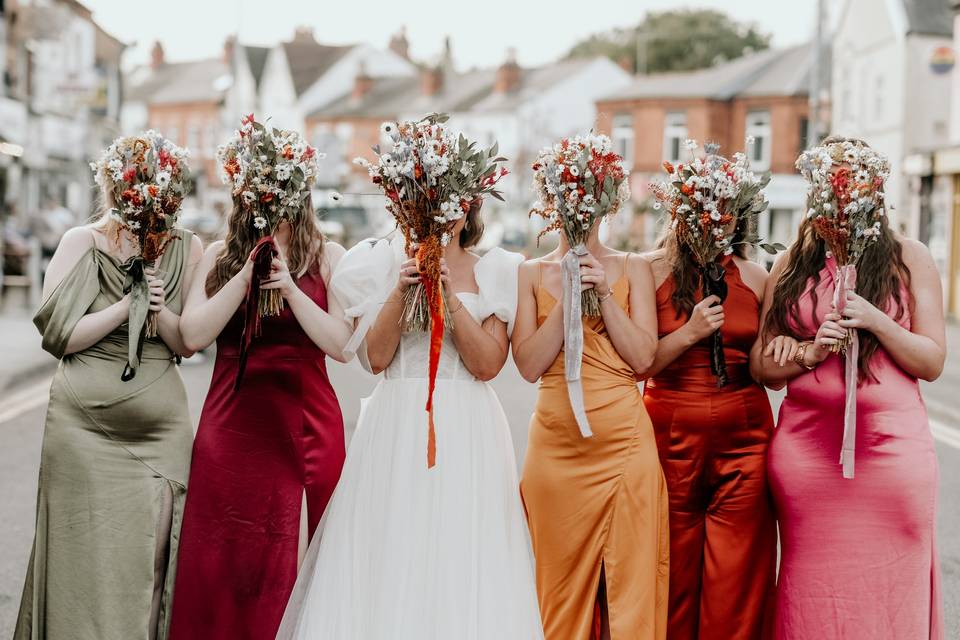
[[457, 309], [800, 356]]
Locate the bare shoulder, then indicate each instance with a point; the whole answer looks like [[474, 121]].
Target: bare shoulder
[[213, 249], [779, 265], [751, 268], [639, 269], [330, 258], [659, 265], [77, 239], [916, 254], [753, 275], [196, 250], [333, 251]]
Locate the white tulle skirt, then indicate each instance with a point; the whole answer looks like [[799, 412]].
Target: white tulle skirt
[[408, 552]]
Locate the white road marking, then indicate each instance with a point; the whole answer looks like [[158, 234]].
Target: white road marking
[[947, 435], [24, 401]]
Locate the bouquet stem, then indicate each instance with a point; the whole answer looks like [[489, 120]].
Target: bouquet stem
[[714, 284], [271, 303], [152, 324], [590, 303]]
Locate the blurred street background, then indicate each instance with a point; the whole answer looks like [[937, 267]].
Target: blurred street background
[[76, 74]]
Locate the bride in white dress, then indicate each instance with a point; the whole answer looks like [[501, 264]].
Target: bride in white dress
[[406, 551]]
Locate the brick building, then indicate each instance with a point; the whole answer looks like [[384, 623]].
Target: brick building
[[762, 95]]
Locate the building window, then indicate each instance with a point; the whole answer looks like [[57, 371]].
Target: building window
[[193, 138], [622, 134], [804, 135], [758, 128], [674, 134]]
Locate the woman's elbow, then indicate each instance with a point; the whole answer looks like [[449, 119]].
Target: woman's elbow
[[932, 372], [192, 343]]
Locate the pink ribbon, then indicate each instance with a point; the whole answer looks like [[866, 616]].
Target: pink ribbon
[[846, 280]]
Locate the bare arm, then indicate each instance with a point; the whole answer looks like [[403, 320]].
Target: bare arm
[[328, 329], [769, 365], [384, 336], [204, 318], [168, 322], [920, 350], [635, 335], [772, 360], [93, 327], [482, 346], [534, 348]]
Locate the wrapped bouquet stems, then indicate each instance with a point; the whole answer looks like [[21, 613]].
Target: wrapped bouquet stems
[[432, 179], [846, 206], [146, 178], [270, 172], [713, 204], [578, 181]]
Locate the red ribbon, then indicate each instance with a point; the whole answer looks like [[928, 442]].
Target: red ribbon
[[435, 297], [262, 255]]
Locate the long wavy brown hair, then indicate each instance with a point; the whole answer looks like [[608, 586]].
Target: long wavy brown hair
[[881, 277], [685, 270], [305, 246]]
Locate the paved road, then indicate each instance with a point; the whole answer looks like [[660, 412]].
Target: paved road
[[21, 420]]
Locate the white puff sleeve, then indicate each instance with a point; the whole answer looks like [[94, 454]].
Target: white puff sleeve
[[496, 275], [362, 282]]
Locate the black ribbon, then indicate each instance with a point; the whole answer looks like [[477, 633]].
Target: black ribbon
[[714, 284], [135, 283]]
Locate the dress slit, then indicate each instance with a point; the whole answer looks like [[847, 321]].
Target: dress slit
[[161, 558]]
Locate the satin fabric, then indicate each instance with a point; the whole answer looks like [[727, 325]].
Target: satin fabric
[[259, 452], [713, 444], [596, 503], [859, 555], [112, 453]]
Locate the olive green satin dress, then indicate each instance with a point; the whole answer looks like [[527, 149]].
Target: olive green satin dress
[[114, 454]]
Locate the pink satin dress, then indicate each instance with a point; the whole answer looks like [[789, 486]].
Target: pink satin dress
[[859, 556]]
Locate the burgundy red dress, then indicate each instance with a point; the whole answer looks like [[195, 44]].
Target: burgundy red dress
[[257, 452]]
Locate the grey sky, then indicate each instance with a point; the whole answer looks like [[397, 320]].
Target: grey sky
[[539, 30]]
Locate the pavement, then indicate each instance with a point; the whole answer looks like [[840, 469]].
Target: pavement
[[25, 372]]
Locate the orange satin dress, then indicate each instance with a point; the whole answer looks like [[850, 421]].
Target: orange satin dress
[[596, 503], [713, 448]]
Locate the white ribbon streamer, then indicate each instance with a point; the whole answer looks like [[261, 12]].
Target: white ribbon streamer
[[846, 280], [573, 334]]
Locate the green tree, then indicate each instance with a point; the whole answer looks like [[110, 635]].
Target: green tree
[[675, 41]]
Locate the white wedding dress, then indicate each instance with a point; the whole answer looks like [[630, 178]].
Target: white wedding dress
[[407, 552]]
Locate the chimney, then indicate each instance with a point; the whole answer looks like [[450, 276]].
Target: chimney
[[228, 47], [156, 56], [446, 58], [507, 79], [399, 44], [303, 32], [431, 81], [362, 83]]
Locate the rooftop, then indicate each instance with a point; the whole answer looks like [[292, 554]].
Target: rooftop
[[471, 90], [773, 72], [182, 82]]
